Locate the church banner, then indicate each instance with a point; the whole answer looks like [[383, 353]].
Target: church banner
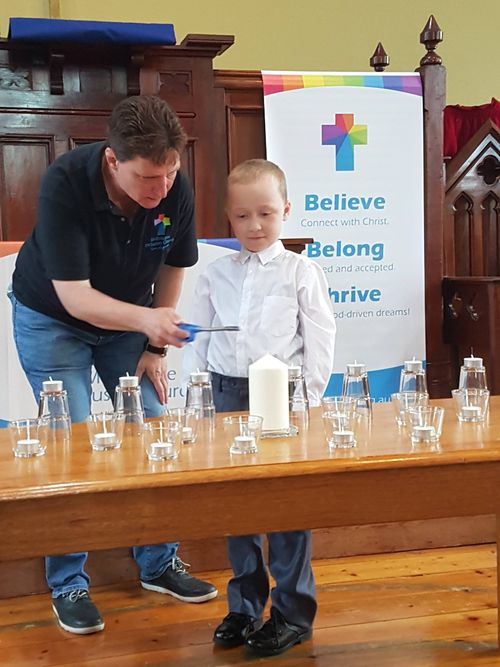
[[351, 146], [16, 397]]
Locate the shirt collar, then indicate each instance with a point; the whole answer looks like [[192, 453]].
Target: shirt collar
[[265, 256], [94, 169]]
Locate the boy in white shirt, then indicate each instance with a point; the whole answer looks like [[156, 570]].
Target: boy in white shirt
[[280, 301]]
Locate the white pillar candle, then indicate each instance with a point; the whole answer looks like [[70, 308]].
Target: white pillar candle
[[268, 392]]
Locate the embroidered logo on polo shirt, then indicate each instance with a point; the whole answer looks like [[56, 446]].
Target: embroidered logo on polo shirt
[[161, 240], [161, 224]]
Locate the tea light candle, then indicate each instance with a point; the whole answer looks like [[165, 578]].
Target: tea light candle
[[187, 434], [159, 451], [28, 447], [473, 362], [104, 440], [243, 444], [50, 386], [343, 439], [413, 365], [470, 412], [268, 392], [423, 434], [129, 381], [199, 377], [355, 369]]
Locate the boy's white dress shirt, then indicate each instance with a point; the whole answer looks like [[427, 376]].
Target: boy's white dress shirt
[[280, 301]]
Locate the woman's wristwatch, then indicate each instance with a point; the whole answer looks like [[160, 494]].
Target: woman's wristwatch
[[162, 351]]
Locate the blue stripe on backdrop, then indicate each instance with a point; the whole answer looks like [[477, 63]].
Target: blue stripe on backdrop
[[234, 244], [383, 383]]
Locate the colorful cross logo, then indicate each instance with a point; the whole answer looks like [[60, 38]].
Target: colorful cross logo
[[164, 222], [344, 135]]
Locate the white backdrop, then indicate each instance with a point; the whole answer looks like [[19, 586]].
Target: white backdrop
[[362, 202], [16, 398]]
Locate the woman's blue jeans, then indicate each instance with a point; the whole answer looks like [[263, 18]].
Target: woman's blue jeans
[[48, 347]]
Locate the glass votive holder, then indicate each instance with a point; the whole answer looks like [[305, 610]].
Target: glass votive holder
[[29, 437], [242, 433], [105, 430], [471, 405], [162, 440], [426, 424], [340, 428], [402, 402], [188, 419], [338, 404], [299, 413]]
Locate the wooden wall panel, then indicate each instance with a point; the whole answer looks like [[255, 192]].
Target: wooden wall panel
[[23, 160], [26, 577], [245, 136], [68, 92], [472, 207]]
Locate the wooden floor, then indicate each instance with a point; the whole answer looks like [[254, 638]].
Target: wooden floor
[[413, 609]]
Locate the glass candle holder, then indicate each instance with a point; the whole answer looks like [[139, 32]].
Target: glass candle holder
[[426, 424], [340, 427], [338, 404], [188, 419], [242, 433], [105, 430], [402, 402], [471, 405], [29, 437], [162, 440], [299, 413]]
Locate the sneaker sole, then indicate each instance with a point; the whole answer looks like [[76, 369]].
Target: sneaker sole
[[182, 598], [78, 631]]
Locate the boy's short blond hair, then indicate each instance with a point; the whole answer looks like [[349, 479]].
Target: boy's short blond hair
[[251, 170]]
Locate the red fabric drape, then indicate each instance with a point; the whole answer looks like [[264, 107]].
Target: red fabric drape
[[460, 123]]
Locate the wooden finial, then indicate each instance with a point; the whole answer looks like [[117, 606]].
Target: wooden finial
[[380, 60], [430, 36]]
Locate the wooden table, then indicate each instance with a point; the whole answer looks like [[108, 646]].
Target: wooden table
[[73, 499]]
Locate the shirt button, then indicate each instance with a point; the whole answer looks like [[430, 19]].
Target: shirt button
[[123, 220]]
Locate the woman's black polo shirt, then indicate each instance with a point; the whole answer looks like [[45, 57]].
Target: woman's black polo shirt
[[80, 235]]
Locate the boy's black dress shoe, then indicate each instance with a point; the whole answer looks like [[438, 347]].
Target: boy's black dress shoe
[[234, 630], [276, 636]]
